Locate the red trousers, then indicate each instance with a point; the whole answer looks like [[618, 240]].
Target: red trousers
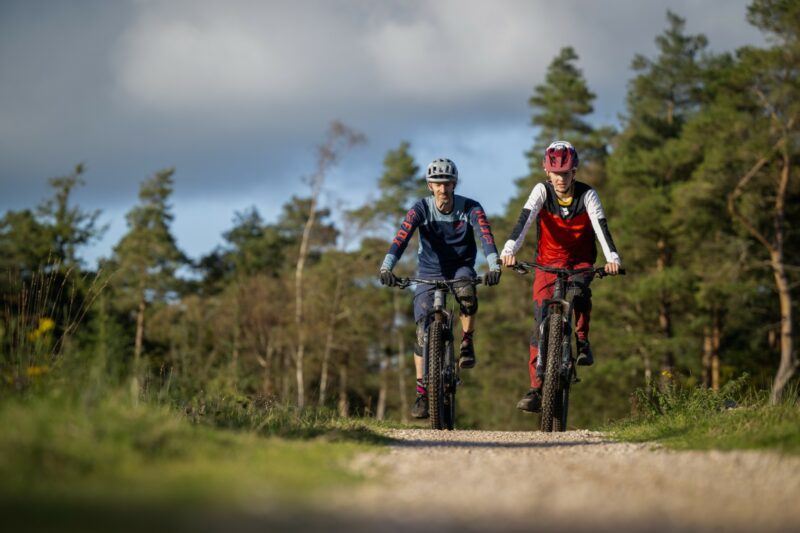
[[543, 287]]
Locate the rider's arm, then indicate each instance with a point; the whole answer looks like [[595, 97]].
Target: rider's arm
[[412, 219], [600, 225], [483, 231], [529, 213]]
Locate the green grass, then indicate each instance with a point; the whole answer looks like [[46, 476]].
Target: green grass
[[700, 419], [63, 460]]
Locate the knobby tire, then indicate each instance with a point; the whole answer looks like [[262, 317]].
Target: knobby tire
[[436, 346], [449, 418], [561, 408], [552, 371]]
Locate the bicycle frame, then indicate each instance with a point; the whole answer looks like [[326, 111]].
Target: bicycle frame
[[568, 371], [442, 387], [439, 312], [557, 380]]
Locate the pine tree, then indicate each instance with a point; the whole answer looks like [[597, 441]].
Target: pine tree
[[644, 168], [561, 107], [147, 257], [765, 193], [70, 227]]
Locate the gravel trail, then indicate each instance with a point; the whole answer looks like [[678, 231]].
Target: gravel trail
[[577, 480]]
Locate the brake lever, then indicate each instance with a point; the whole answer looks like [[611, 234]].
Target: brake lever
[[519, 269]]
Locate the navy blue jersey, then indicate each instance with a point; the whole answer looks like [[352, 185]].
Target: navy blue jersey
[[447, 240]]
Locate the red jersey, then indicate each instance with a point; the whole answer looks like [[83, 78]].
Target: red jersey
[[566, 232]]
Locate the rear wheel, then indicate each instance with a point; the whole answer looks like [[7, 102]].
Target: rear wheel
[[551, 372], [436, 404]]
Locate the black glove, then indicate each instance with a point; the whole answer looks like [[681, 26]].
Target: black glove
[[387, 278], [492, 277]]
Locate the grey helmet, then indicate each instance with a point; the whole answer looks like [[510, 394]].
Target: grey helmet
[[441, 171]]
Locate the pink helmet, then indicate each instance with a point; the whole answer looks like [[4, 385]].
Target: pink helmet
[[560, 156]]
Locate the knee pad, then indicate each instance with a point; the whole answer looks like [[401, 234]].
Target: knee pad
[[467, 298]]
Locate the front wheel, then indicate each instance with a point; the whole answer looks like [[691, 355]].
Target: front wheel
[[550, 388], [561, 409], [436, 404]]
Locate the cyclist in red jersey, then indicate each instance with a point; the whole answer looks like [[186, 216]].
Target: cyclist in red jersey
[[569, 218]]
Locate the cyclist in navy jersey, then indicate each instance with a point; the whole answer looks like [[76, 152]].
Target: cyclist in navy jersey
[[448, 225], [568, 218]]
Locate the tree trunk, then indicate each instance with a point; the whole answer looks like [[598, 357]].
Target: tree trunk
[[665, 318], [285, 380], [234, 368], [139, 339], [326, 357], [789, 363], [329, 337], [298, 291], [716, 334], [344, 402], [265, 362], [299, 376], [316, 186], [137, 350], [401, 360], [327, 157], [707, 357], [380, 409]]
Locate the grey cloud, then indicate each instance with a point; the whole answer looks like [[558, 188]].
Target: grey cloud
[[236, 94]]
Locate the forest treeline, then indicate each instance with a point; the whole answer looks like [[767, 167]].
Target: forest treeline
[[698, 180]]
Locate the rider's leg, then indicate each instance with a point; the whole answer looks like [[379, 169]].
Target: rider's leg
[[582, 306], [542, 289], [466, 357], [420, 407], [467, 298]]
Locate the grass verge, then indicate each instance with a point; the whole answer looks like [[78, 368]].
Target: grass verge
[[68, 465], [701, 419]]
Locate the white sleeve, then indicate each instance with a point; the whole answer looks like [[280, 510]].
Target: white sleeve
[[529, 213], [598, 218]]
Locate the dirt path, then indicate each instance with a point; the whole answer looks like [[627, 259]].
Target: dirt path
[[523, 481]]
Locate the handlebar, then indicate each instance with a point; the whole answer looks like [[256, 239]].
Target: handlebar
[[402, 283], [523, 267]]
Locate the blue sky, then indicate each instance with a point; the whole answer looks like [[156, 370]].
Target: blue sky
[[237, 94]]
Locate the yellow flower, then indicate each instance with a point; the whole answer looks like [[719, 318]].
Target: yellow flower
[[45, 325], [36, 371], [666, 373]]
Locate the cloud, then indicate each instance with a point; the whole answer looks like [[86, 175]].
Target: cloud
[[286, 58], [236, 94]]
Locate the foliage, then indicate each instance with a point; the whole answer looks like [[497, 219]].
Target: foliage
[[735, 417], [217, 340]]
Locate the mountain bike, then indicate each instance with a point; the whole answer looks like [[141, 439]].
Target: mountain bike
[[440, 369], [556, 363]]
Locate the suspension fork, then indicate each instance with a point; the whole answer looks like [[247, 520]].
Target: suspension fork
[[437, 314], [559, 300]]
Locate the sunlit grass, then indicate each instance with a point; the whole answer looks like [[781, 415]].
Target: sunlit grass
[[117, 451], [701, 419]]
